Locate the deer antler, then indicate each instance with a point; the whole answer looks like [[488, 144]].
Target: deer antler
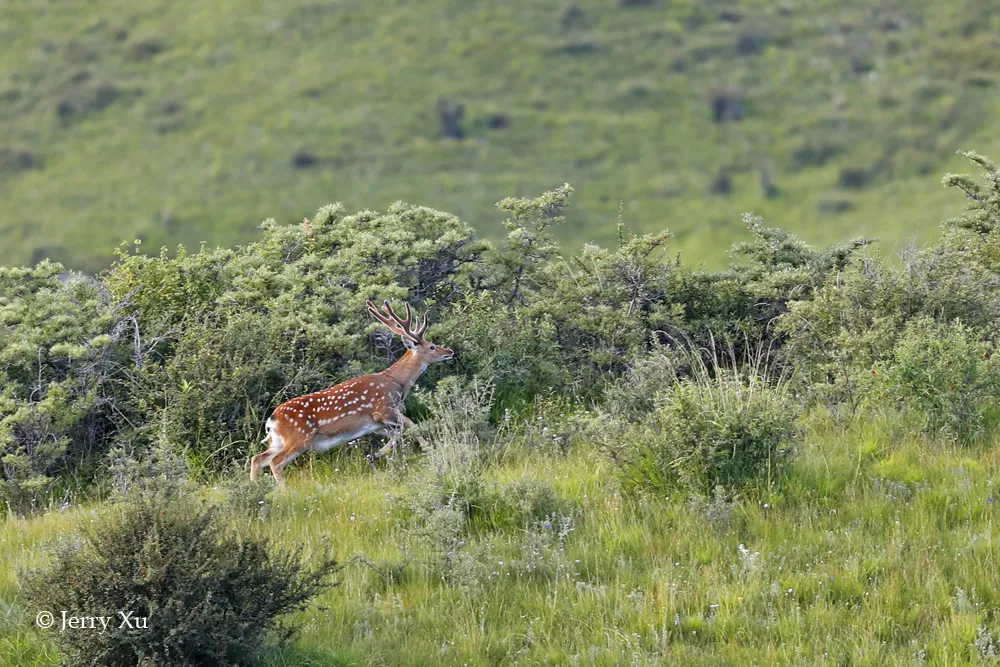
[[399, 326]]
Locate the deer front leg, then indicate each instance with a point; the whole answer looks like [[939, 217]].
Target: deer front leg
[[394, 428], [421, 441], [393, 431]]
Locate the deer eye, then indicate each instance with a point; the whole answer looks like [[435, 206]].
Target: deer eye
[[433, 348]]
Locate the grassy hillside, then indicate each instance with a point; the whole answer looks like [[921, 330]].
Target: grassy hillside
[[190, 122], [880, 550]]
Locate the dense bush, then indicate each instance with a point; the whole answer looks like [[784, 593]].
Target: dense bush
[[857, 316], [63, 345], [239, 331], [191, 351], [607, 304], [209, 596], [707, 426], [944, 374], [514, 352]]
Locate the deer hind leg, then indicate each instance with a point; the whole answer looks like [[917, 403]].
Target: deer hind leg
[[294, 445], [275, 443]]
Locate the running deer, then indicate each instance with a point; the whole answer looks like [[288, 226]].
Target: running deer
[[367, 404]]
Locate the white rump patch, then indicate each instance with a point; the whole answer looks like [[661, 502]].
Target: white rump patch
[[270, 433]]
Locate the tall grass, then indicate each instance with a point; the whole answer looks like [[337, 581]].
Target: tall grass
[[875, 549], [685, 419]]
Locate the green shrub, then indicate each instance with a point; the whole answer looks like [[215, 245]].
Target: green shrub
[[593, 309], [237, 332], [703, 435], [515, 352], [855, 318], [64, 349], [982, 217], [450, 476], [714, 427], [129, 469], [945, 374], [448, 496], [855, 321], [606, 304], [519, 264], [725, 310], [209, 596]]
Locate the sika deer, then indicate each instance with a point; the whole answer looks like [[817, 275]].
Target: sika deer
[[367, 404]]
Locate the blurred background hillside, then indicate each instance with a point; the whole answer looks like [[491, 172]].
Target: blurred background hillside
[[183, 122]]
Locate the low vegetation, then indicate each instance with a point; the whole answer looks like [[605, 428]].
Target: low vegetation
[[787, 462], [213, 596]]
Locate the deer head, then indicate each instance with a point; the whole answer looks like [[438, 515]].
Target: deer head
[[423, 350]]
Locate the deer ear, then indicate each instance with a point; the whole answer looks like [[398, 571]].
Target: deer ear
[[407, 343]]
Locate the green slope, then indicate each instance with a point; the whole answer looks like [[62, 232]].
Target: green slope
[[179, 122]]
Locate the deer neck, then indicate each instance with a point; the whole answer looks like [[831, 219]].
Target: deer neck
[[405, 372]]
